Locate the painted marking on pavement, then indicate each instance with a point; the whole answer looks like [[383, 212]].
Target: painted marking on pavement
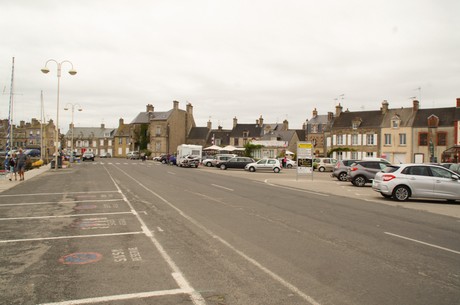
[[294, 189], [58, 202], [47, 194], [222, 187], [423, 243], [65, 216], [172, 173], [80, 258], [67, 237]]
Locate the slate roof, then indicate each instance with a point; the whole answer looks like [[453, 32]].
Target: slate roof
[[369, 119], [255, 131], [200, 133], [320, 120], [284, 135], [446, 116], [122, 131], [145, 117], [222, 134], [406, 116], [91, 132]]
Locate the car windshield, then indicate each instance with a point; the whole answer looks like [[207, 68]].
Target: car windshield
[[263, 161]]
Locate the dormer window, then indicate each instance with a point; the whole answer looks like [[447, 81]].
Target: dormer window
[[245, 134], [395, 122], [356, 123]]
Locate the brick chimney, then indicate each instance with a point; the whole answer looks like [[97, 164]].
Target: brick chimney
[[189, 108], [285, 125], [261, 121], [235, 122], [175, 105], [330, 116], [384, 107], [120, 122], [209, 125], [458, 101], [315, 113], [102, 126], [416, 105], [149, 108], [70, 126]]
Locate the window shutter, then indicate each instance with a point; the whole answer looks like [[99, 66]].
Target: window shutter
[[348, 139], [360, 136], [334, 140], [374, 154], [328, 141], [375, 139], [360, 155]]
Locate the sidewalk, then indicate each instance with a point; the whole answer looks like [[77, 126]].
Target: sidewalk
[[6, 184]]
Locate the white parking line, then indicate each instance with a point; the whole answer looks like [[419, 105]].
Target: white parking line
[[67, 237], [423, 243], [65, 193], [222, 187], [58, 202], [65, 216]]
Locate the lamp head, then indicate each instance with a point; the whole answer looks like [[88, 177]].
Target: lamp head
[[66, 108], [72, 72], [79, 109], [45, 70]]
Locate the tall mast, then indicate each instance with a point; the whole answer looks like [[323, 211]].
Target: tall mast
[[9, 141], [41, 125]]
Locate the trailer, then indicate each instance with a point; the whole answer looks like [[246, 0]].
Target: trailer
[[185, 150]]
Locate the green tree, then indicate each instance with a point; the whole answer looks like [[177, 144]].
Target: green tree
[[249, 149]]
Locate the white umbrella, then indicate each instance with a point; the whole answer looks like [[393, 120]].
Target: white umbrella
[[289, 152], [213, 147], [229, 148]]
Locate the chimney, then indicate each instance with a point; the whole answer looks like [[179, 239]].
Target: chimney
[[189, 109], [384, 107], [149, 108], [338, 110], [209, 125], [120, 122], [458, 101], [330, 116], [315, 113], [285, 125], [70, 126], [235, 122], [261, 121], [416, 105], [22, 123], [175, 105], [102, 126]]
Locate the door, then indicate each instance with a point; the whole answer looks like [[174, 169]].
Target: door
[[445, 186], [420, 181]]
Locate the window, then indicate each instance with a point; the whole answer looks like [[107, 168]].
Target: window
[[101, 142], [423, 139], [158, 131], [235, 142], [402, 139], [110, 142], [157, 146], [370, 139], [339, 139], [354, 139], [441, 138], [339, 156], [369, 154], [314, 128], [395, 123], [120, 141], [354, 155], [245, 134], [218, 142], [440, 172], [355, 125], [416, 171], [387, 139]]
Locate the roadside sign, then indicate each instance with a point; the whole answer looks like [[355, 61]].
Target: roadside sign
[[304, 158]]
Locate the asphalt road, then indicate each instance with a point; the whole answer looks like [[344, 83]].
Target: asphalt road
[[131, 232]]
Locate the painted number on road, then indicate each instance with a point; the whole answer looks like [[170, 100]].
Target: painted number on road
[[80, 258], [133, 254]]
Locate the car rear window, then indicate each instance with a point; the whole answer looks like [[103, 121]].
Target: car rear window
[[390, 169]]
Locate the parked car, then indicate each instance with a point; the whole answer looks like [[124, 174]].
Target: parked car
[[236, 162], [362, 172], [132, 155], [159, 158], [340, 169], [32, 152], [172, 160], [289, 163], [87, 156], [403, 181], [324, 164], [105, 155], [455, 167], [209, 161], [189, 161], [264, 164]]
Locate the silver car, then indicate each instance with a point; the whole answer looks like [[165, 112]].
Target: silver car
[[264, 164], [403, 181]]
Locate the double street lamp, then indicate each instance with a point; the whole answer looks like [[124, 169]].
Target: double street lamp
[[67, 107], [71, 72]]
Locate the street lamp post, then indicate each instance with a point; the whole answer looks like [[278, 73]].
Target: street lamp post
[[71, 72], [73, 110]]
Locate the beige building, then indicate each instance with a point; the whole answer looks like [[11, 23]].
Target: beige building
[[121, 140]]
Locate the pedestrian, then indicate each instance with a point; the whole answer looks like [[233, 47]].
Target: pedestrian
[[284, 162], [21, 164], [12, 167]]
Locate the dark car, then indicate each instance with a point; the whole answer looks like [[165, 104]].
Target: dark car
[[172, 160], [362, 172], [32, 152], [236, 162], [87, 156]]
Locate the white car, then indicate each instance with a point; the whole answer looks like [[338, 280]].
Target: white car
[[264, 164], [402, 181]]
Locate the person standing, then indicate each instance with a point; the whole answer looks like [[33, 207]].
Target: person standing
[[21, 164], [12, 167]]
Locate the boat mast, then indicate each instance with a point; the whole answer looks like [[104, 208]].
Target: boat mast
[[9, 141]]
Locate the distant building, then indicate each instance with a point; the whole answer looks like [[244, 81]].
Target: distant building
[[97, 140]]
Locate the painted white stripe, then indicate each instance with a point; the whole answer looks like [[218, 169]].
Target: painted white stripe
[[222, 187], [58, 202], [67, 237], [273, 275], [65, 216], [65, 193], [293, 189], [121, 297], [423, 243], [172, 173], [195, 296]]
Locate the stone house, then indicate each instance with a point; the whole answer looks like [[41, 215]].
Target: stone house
[[97, 140], [121, 140], [315, 129]]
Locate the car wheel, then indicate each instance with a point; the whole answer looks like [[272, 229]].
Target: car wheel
[[163, 162], [252, 169], [223, 167], [385, 195], [401, 193], [276, 169], [208, 164], [359, 181], [321, 169], [342, 176], [289, 166]]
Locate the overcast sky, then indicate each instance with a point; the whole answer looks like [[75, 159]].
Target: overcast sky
[[235, 58]]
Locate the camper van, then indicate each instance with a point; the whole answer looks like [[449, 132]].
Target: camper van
[[184, 150]]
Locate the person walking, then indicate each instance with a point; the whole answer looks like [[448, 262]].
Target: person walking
[[21, 164], [12, 167]]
